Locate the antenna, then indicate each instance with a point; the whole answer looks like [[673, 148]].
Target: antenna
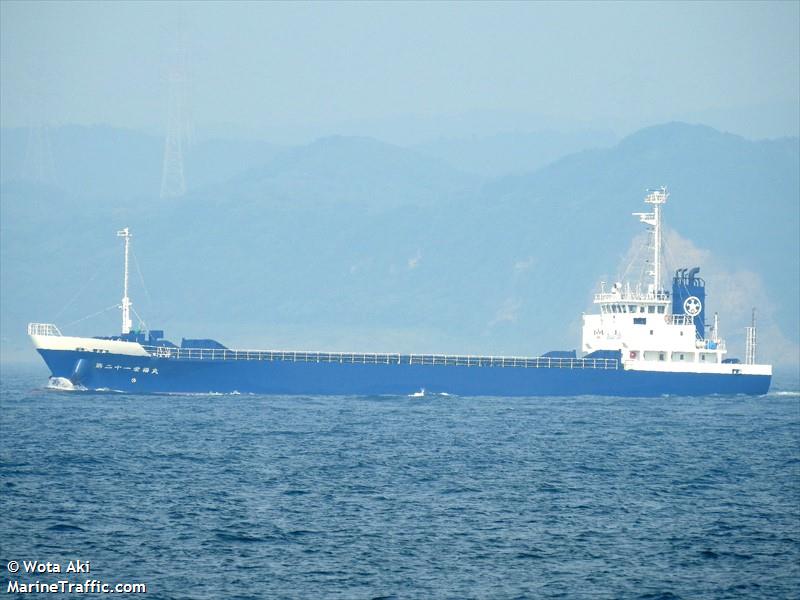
[[653, 219], [126, 302], [716, 327], [750, 341]]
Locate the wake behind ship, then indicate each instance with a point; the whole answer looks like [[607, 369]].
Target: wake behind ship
[[643, 341]]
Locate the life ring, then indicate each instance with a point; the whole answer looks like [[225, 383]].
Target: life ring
[[632, 354], [692, 306]]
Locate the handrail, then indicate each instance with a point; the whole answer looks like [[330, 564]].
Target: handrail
[[631, 296], [679, 319], [43, 329], [198, 354]]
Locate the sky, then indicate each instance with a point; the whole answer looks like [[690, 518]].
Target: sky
[[304, 69]]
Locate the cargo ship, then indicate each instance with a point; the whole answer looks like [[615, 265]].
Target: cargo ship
[[642, 340]]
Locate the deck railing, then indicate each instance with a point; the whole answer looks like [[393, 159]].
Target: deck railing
[[42, 329], [679, 319], [632, 296], [380, 359]]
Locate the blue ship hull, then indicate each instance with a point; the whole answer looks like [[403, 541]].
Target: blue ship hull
[[666, 352], [138, 374]]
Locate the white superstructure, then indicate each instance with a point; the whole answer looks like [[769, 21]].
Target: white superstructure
[[654, 328]]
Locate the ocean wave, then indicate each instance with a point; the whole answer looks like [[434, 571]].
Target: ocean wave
[[63, 384]]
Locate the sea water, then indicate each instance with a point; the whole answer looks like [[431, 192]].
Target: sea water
[[396, 497]]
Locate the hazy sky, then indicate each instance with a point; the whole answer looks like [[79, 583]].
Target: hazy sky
[[271, 67]]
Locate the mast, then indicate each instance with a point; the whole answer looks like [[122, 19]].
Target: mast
[[126, 302], [653, 219], [750, 341]]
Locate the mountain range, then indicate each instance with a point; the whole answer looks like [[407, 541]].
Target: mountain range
[[350, 243]]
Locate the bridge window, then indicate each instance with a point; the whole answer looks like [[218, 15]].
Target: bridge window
[[632, 308], [641, 309], [651, 309], [660, 356], [661, 310]]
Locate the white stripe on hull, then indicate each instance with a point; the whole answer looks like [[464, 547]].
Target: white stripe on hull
[[693, 367]]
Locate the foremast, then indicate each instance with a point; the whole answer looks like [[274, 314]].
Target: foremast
[[126, 302]]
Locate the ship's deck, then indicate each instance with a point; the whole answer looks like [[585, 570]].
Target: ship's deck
[[455, 360]]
